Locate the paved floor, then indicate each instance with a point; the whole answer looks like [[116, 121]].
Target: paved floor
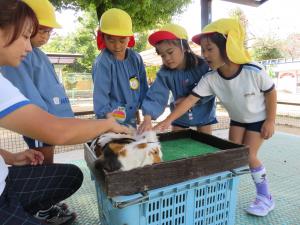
[[280, 156]]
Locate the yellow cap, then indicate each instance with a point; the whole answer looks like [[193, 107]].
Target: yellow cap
[[116, 22], [44, 11], [235, 37], [168, 32]]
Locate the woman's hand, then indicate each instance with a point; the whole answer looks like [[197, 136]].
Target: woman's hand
[[118, 128], [109, 115], [28, 157], [146, 125], [267, 129]]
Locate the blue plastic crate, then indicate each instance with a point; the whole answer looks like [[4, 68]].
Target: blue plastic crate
[[209, 200]]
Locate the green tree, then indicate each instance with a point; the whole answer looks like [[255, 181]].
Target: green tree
[[146, 14], [266, 48], [291, 46], [239, 14], [83, 41], [141, 40]]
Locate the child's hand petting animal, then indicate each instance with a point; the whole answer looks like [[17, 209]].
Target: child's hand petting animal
[[126, 152]]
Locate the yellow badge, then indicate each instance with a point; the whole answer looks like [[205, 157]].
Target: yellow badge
[[134, 83]]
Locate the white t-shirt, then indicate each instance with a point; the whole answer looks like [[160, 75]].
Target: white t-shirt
[[10, 100], [242, 95]]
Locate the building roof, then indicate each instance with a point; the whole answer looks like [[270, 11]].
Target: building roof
[[62, 58], [248, 2]]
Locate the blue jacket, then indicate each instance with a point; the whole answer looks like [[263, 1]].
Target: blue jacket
[[35, 77], [119, 84], [180, 83]]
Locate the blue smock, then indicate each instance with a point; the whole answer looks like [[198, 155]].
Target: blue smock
[[119, 85], [180, 83], [35, 77]]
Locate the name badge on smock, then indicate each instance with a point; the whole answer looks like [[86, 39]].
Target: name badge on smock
[[134, 83], [119, 114], [56, 100]]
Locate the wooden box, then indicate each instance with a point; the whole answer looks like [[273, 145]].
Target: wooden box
[[227, 157]]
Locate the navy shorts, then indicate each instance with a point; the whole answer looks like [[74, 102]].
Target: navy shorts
[[256, 126], [34, 143], [214, 121]]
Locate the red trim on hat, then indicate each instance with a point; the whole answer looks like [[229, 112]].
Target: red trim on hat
[[131, 42], [160, 36], [197, 38], [101, 43]]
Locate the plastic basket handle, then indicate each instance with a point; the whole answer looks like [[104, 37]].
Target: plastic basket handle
[[121, 205], [240, 171]]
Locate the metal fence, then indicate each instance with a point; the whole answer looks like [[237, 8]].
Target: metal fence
[[14, 142], [288, 117]]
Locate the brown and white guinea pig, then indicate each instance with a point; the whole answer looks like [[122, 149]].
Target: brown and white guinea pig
[[126, 152]]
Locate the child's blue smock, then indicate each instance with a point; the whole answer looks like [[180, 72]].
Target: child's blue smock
[[35, 77], [119, 84], [180, 83]]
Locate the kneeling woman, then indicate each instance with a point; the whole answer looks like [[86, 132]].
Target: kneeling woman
[[28, 186]]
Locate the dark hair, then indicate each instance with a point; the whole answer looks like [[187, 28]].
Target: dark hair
[[220, 41], [13, 15], [192, 60]]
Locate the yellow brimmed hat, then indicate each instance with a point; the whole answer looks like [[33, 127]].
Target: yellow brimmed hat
[[44, 11], [235, 37], [168, 32], [115, 22]]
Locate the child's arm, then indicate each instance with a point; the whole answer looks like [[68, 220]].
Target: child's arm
[[268, 127], [179, 110], [155, 101], [146, 125]]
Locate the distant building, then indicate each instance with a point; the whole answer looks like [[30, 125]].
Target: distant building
[[287, 74], [61, 59]]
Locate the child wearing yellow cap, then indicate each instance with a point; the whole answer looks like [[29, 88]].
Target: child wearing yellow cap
[[179, 74], [119, 74], [245, 90]]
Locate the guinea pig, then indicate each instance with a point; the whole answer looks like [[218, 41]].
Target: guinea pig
[[126, 152]]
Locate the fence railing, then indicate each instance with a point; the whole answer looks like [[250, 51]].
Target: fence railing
[[279, 61], [288, 115]]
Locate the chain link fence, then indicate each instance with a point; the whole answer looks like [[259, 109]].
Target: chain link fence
[[14, 142], [288, 117]]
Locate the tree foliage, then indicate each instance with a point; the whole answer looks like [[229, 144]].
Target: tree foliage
[[263, 48], [145, 14], [266, 48], [80, 41], [239, 14], [291, 46], [141, 41]]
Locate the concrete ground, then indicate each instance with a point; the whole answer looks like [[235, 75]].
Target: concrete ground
[[280, 155]]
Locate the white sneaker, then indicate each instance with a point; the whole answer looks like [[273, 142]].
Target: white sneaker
[[261, 206]]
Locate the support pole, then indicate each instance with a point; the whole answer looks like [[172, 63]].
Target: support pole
[[205, 12]]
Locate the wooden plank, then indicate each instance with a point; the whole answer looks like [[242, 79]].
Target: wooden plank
[[167, 173]]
